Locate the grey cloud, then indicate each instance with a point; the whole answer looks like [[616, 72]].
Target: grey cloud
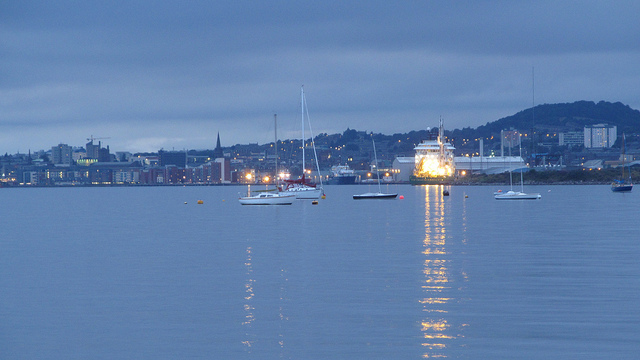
[[155, 72]]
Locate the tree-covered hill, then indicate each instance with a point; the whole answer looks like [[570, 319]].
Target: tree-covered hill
[[559, 118]]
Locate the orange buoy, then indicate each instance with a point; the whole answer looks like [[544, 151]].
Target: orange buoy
[[401, 197], [314, 202], [200, 202]]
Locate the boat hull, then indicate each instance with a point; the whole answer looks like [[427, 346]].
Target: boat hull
[[304, 194], [270, 200], [374, 196], [419, 180], [512, 195], [621, 188], [343, 180]]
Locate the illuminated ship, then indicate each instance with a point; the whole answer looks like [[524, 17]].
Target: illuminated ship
[[433, 161], [342, 175]]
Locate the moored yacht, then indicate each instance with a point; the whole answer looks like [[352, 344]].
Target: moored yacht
[[268, 198], [301, 188]]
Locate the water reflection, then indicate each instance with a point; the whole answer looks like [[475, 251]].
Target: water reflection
[[265, 334], [249, 309], [282, 317], [437, 333]]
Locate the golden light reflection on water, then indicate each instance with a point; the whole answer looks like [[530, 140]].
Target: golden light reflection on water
[[281, 311], [249, 320], [249, 316], [436, 330]]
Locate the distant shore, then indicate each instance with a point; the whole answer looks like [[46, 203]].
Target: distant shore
[[532, 177]]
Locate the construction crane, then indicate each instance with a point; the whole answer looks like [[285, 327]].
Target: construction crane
[[97, 138]]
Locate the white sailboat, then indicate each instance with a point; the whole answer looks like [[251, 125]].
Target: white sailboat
[[267, 198], [379, 194], [520, 195], [301, 188], [516, 195], [272, 196]]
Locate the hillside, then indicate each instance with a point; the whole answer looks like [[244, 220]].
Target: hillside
[[559, 118], [355, 147]]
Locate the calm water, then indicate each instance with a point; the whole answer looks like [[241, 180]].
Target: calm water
[[133, 273]]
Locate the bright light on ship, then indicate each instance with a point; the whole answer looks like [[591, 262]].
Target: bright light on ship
[[430, 166], [434, 158]]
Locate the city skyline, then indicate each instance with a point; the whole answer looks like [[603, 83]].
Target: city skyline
[[152, 76]]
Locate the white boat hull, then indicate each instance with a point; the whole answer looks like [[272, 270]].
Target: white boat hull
[[304, 194], [267, 199], [516, 195]]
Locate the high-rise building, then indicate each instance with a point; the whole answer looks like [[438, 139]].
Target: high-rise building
[[62, 154], [600, 136], [103, 154], [92, 150], [225, 170]]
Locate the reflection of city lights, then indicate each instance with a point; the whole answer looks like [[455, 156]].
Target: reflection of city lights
[[435, 329], [249, 309], [432, 325]]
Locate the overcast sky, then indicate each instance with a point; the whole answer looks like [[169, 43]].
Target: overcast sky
[[172, 74]]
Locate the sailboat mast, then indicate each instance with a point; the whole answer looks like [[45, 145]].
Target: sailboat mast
[[510, 166], [441, 144], [375, 154], [533, 116], [521, 180], [302, 119], [623, 160], [275, 131]]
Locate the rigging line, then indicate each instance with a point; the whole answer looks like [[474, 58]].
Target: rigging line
[[315, 154]]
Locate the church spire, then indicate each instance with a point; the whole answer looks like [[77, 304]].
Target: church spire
[[218, 153]]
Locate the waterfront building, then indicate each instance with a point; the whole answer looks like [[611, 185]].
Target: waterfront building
[[78, 153], [571, 138], [92, 150], [403, 166], [225, 170], [62, 154], [97, 152], [177, 158], [488, 165]]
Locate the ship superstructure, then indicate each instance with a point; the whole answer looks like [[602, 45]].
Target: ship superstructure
[[434, 160]]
